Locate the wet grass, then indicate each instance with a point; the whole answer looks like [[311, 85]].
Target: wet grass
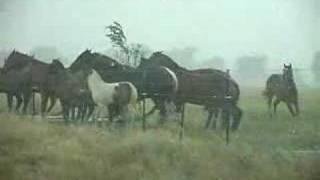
[[263, 148]]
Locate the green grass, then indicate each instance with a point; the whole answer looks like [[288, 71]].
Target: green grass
[[263, 148]]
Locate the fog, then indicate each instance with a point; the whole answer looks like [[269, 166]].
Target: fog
[[284, 30]]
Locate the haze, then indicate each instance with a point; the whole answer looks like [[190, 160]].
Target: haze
[[285, 30]]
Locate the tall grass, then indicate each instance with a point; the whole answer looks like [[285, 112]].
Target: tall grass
[[263, 148]]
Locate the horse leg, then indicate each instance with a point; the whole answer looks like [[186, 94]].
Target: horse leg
[[111, 112], [296, 105], [19, 102], [290, 108], [210, 114], [163, 112], [9, 100], [91, 108], [26, 97], [275, 104], [236, 115], [215, 117], [73, 112], [65, 111], [154, 108], [44, 102], [53, 100], [269, 105]]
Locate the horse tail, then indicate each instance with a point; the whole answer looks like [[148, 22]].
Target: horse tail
[[267, 92], [134, 94], [237, 93]]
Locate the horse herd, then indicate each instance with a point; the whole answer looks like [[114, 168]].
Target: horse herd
[[95, 81]]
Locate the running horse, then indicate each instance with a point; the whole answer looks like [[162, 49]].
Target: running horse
[[282, 88]]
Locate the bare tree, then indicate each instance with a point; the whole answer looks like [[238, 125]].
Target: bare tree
[[132, 51]]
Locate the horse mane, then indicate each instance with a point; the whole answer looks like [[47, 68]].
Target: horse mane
[[80, 60], [93, 60], [163, 59], [18, 59]]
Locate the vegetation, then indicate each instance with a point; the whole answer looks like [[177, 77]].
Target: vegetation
[[279, 148], [132, 51]]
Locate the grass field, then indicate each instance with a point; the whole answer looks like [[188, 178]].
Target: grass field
[[279, 148]]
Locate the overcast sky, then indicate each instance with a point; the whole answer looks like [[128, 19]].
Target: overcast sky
[[283, 29]]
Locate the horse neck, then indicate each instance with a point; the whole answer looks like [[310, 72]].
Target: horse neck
[[95, 81]]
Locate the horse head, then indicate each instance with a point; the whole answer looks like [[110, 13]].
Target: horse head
[[287, 72], [158, 58]]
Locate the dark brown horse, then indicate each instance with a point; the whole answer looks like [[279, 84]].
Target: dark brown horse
[[15, 83], [207, 87], [71, 90], [158, 83], [282, 87], [38, 71]]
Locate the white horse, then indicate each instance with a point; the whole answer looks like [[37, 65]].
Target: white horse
[[116, 97]]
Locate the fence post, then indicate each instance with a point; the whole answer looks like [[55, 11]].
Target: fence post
[[227, 100], [143, 113], [33, 102], [182, 122]]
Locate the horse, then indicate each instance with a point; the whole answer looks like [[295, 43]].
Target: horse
[[157, 83], [117, 97], [205, 87], [71, 91], [282, 88], [16, 61], [15, 83]]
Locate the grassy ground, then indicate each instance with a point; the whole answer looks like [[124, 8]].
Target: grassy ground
[[263, 148]]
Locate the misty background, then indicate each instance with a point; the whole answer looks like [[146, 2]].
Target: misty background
[[252, 38]]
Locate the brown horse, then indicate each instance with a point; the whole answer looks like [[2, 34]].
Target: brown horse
[[38, 71], [283, 88], [207, 87]]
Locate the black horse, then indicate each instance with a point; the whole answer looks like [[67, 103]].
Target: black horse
[[71, 90], [283, 88], [207, 87], [158, 83]]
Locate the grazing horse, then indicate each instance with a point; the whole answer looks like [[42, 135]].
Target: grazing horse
[[115, 96], [207, 87], [283, 88], [157, 83], [16, 61], [71, 90]]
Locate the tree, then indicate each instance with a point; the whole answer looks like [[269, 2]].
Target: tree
[[131, 51]]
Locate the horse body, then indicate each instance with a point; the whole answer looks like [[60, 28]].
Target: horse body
[[207, 87], [114, 96], [282, 88]]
